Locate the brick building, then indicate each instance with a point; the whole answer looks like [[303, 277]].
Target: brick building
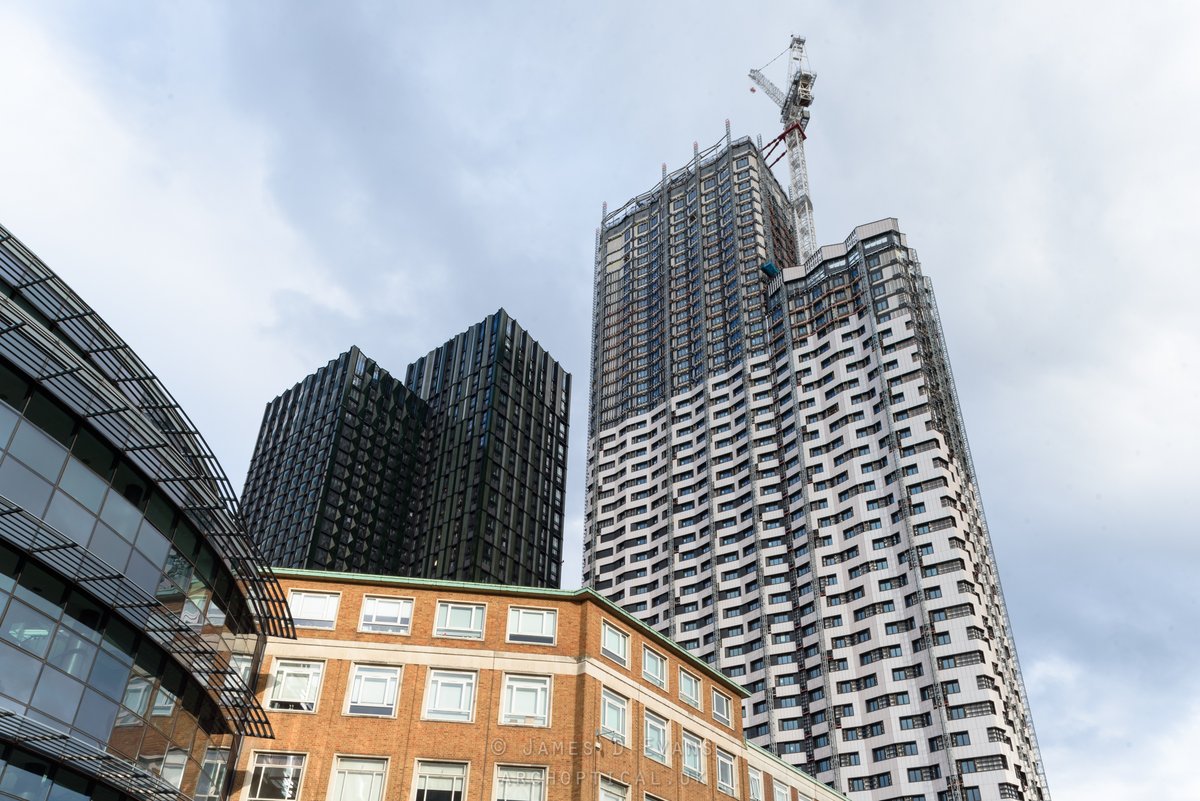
[[405, 688]]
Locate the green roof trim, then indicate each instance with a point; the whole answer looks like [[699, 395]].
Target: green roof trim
[[810, 779], [534, 592]]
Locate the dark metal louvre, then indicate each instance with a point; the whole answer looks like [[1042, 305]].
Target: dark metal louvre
[[63, 344], [84, 758], [223, 682]]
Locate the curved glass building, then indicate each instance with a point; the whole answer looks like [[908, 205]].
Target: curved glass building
[[133, 608]]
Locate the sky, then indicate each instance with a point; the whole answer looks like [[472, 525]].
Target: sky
[[244, 190]]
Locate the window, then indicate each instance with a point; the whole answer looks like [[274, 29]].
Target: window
[[386, 615], [613, 791], [689, 688], [450, 695], [276, 777], [295, 685], [373, 690], [614, 644], [459, 620], [164, 703], [357, 779], [726, 773], [693, 756], [313, 610], [526, 701], [613, 715], [440, 781], [756, 785], [520, 783], [537, 626], [782, 791], [721, 706], [654, 667], [210, 784], [173, 764], [656, 738]]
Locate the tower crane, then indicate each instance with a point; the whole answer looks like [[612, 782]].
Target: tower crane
[[794, 113]]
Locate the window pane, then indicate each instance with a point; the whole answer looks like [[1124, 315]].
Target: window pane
[[276, 777], [296, 685], [532, 625], [373, 690], [612, 791], [612, 716], [689, 688], [654, 667], [526, 700], [615, 644], [356, 779], [450, 696], [520, 783], [388, 615], [460, 620], [314, 609], [440, 781]]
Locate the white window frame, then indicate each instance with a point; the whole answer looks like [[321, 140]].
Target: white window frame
[[302, 768], [540, 770], [358, 678], [755, 790], [243, 666], [398, 629], [617, 703], [693, 745], [621, 657], [212, 773], [173, 765], [442, 627], [610, 789], [698, 701], [437, 676], [416, 780], [650, 719], [314, 622], [780, 791], [135, 700], [727, 760], [316, 677], [648, 655], [513, 682], [333, 795], [727, 718], [514, 634], [164, 703]]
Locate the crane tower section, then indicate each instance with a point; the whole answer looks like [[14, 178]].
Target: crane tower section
[[794, 113]]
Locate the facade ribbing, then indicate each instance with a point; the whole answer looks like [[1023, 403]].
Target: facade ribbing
[[456, 473], [779, 480]]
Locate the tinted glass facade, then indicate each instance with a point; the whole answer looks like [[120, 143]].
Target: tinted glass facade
[[132, 607], [497, 457], [333, 481], [456, 473]]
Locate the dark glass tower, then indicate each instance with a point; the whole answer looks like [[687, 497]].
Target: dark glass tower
[[335, 464], [133, 608], [496, 459], [458, 473]]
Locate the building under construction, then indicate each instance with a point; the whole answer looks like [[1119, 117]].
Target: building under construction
[[778, 478]]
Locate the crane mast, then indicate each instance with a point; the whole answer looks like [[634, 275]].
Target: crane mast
[[794, 113]]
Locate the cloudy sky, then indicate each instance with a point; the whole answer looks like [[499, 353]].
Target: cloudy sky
[[244, 190]]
